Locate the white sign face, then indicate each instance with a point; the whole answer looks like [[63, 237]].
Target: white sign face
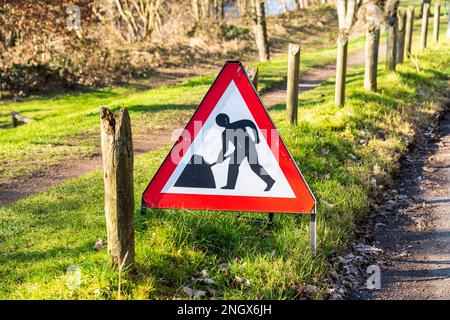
[[252, 170]]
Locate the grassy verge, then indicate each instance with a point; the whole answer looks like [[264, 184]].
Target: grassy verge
[[340, 151]]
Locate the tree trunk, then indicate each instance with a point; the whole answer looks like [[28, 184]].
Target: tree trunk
[[292, 83], [371, 63], [211, 9], [391, 48], [220, 9], [305, 4], [401, 37], [437, 12], [117, 152], [423, 38], [259, 18], [195, 9], [409, 31], [341, 68], [284, 6], [243, 8], [206, 8]]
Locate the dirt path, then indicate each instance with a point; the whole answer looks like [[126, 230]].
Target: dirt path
[[12, 191], [413, 226]]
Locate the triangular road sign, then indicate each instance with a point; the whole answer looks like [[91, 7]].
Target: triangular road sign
[[230, 157]]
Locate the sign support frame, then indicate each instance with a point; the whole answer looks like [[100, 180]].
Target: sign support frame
[[313, 231], [313, 211]]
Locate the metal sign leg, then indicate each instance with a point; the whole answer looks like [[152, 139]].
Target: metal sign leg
[[143, 207], [312, 227]]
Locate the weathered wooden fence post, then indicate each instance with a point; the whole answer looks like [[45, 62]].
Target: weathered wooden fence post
[[409, 31], [423, 39], [400, 37], [292, 83], [372, 46], [391, 48], [16, 117], [341, 67], [253, 73], [117, 152], [437, 12]]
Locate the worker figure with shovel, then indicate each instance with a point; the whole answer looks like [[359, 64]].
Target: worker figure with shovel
[[244, 148]]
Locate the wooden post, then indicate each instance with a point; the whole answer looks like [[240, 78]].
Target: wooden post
[[409, 31], [292, 83], [16, 117], [400, 37], [372, 46], [341, 67], [117, 152], [423, 39], [391, 48], [437, 12], [253, 74]]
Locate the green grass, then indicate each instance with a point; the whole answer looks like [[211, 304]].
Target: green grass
[[41, 236]]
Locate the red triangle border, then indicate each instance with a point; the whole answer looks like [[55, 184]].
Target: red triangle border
[[304, 201]]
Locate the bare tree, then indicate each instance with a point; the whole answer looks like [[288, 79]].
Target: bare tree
[[195, 9], [134, 19], [244, 7], [260, 30], [284, 6], [219, 8], [346, 10], [302, 4]]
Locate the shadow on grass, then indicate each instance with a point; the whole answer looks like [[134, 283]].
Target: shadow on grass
[[419, 80], [160, 107], [34, 256], [76, 95], [374, 98]]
